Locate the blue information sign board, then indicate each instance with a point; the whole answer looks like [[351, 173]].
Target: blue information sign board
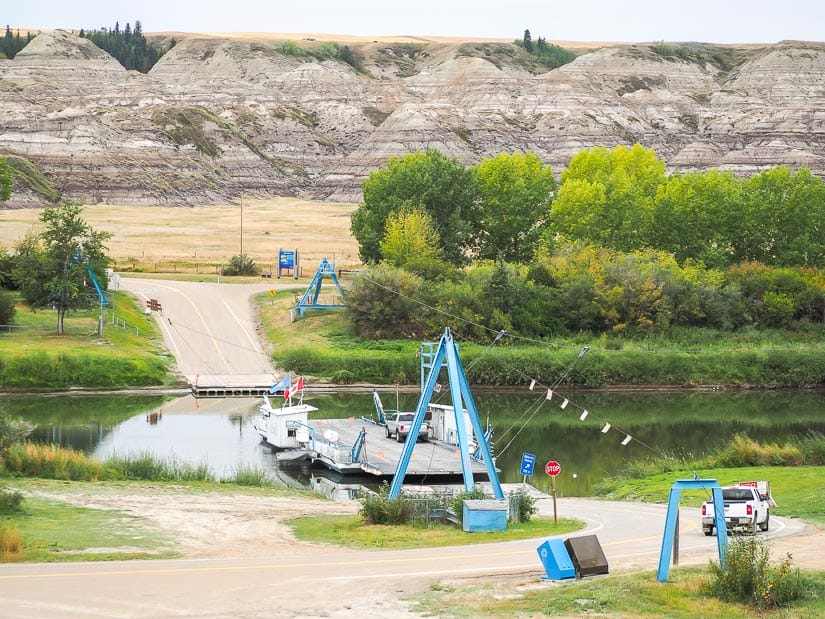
[[286, 259], [528, 463]]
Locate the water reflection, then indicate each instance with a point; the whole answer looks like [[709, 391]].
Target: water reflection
[[219, 432]]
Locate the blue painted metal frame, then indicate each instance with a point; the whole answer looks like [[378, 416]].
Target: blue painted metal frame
[[673, 514], [355, 452], [78, 257], [313, 291], [462, 398]]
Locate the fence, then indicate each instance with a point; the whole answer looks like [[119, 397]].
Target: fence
[[214, 265], [441, 507], [69, 328]]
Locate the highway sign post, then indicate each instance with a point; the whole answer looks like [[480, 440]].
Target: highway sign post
[[553, 468], [528, 463]]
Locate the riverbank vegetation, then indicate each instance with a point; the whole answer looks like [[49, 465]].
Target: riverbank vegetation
[[325, 346], [50, 461], [696, 279]]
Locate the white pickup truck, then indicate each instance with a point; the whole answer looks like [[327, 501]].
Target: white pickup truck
[[400, 424], [747, 506]]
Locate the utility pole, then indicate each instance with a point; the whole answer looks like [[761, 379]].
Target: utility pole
[[241, 224]]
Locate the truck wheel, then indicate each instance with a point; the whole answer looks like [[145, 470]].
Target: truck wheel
[[398, 437], [764, 526], [708, 531], [387, 432]]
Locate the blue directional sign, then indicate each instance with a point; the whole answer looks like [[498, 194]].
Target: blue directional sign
[[528, 462]]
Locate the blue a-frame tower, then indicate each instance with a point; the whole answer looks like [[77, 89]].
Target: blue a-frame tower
[[313, 291], [447, 354]]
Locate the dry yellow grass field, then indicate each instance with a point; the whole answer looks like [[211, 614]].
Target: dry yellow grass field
[[211, 235]]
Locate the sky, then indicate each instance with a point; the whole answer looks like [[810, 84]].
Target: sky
[[711, 21]]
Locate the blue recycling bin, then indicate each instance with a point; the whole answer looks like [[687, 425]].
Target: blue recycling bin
[[556, 560]]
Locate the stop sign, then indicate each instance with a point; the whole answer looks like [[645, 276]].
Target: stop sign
[[552, 468]]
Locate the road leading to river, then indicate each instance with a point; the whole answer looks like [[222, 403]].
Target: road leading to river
[[313, 580], [209, 328]]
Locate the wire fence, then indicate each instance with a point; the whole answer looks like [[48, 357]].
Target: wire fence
[[214, 265], [443, 507], [87, 327]]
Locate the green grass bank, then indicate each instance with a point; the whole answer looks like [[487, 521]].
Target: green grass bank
[[33, 358], [322, 345]]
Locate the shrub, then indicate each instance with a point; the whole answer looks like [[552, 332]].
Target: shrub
[[379, 508], [458, 502], [7, 307], [240, 265], [522, 506], [10, 501], [11, 543], [748, 577]]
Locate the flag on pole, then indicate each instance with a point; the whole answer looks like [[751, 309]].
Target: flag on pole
[[299, 386], [283, 385]]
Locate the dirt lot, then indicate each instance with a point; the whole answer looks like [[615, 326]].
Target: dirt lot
[[212, 524]]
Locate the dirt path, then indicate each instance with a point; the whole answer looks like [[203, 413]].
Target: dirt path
[[211, 524]]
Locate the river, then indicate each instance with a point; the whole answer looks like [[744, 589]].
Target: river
[[219, 432]]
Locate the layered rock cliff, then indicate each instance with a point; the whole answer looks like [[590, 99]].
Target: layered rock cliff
[[220, 117]]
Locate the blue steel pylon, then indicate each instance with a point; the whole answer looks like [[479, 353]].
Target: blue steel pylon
[[462, 398], [310, 298]]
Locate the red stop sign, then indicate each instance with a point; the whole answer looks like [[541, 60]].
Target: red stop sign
[[552, 468]]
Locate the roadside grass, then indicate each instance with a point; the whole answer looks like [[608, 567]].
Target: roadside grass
[[354, 532], [34, 357], [55, 531], [625, 595], [798, 490], [49, 529]]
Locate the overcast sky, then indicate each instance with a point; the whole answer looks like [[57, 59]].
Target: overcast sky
[[713, 21]]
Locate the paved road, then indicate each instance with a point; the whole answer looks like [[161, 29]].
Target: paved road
[[327, 581], [209, 328]]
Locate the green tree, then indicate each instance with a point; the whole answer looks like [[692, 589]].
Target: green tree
[[7, 307], [607, 196], [410, 237], [697, 216], [129, 47], [52, 267], [782, 219], [380, 300], [515, 194], [6, 180], [440, 186], [527, 41]]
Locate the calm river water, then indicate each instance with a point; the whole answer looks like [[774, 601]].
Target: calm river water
[[219, 433]]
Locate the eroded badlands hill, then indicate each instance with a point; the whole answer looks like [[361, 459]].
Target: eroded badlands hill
[[218, 117]]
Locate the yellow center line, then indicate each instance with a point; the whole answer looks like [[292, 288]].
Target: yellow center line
[[203, 321]]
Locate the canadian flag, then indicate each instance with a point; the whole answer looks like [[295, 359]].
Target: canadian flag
[[298, 386]]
